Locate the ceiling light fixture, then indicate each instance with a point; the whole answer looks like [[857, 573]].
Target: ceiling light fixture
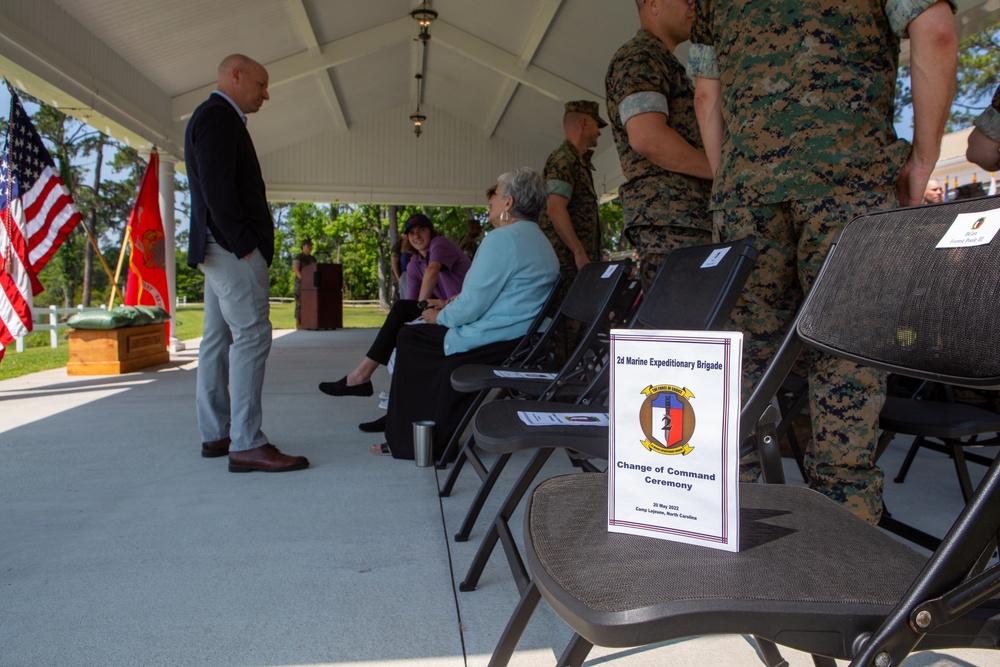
[[424, 15], [418, 121], [418, 118]]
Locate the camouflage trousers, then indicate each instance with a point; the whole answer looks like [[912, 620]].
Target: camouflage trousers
[[844, 398], [653, 244]]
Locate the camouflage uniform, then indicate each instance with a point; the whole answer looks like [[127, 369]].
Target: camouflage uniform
[[663, 210], [988, 121], [568, 173], [807, 101]]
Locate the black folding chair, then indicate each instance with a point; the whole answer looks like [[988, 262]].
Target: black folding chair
[[689, 293], [809, 574], [598, 290]]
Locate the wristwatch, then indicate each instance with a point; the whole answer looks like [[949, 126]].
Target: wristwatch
[[423, 305]]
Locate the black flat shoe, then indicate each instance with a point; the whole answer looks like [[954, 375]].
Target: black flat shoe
[[376, 426], [340, 388]]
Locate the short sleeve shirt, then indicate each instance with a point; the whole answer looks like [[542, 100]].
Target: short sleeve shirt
[[302, 260], [988, 122], [567, 173], [454, 265], [644, 76], [808, 92]]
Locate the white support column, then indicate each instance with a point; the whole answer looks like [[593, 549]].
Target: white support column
[[167, 163]]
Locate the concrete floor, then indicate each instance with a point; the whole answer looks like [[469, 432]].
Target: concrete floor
[[120, 545]]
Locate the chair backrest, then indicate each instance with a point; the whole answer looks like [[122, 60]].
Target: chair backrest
[[696, 288], [538, 326], [889, 297], [598, 286]]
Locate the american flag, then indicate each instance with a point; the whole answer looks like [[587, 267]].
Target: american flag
[[36, 215]]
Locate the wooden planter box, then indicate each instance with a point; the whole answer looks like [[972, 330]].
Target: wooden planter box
[[116, 351]]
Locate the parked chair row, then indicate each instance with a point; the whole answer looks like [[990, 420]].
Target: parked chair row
[[809, 575]]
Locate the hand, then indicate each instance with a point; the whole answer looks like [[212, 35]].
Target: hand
[[912, 182], [431, 315], [248, 255], [581, 259], [437, 303]]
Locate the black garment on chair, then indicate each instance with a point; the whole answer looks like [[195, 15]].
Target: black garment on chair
[[421, 386], [886, 297]]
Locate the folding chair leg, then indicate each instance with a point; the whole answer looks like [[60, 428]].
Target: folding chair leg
[[515, 626], [463, 456], [442, 463], [908, 461], [480, 500], [576, 652], [823, 661], [500, 530], [769, 653], [962, 468]]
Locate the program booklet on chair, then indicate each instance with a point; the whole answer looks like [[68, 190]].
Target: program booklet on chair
[[673, 455]]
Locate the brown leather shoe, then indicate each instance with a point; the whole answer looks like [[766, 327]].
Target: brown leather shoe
[[215, 449], [266, 458]]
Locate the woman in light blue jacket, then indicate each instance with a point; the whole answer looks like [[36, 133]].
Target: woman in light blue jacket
[[510, 278]]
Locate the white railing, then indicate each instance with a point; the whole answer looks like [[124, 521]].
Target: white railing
[[53, 325]]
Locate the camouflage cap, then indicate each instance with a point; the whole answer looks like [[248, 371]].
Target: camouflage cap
[[587, 107]]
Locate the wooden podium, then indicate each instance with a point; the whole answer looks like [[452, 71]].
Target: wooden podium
[[322, 297]]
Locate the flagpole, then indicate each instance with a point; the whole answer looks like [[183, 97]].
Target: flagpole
[[107, 269], [118, 269]]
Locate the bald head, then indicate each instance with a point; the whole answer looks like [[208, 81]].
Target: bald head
[[244, 80], [933, 194], [669, 20]]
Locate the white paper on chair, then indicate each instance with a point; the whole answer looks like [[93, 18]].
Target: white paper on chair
[[971, 229], [673, 464], [563, 418], [525, 375]]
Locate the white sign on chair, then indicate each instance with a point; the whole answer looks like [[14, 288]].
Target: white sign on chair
[[673, 466]]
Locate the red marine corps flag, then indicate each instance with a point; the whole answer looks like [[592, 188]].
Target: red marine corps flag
[[147, 268], [36, 215]]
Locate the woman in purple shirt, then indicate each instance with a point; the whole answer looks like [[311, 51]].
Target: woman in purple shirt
[[436, 271], [438, 266]]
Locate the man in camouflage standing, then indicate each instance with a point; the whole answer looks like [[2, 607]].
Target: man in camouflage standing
[[570, 220], [795, 101], [651, 109]]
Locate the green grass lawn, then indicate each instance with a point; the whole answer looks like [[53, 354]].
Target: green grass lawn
[[38, 356]]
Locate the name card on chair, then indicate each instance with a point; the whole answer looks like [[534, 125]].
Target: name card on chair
[[673, 455]]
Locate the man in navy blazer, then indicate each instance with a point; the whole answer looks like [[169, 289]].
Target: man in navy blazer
[[232, 244]]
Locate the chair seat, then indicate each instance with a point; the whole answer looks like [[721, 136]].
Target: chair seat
[[476, 377], [936, 418], [500, 430], [808, 575]]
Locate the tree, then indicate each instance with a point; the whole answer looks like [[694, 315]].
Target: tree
[[612, 225], [978, 77]]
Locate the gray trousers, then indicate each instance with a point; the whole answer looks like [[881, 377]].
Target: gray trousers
[[234, 348]]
